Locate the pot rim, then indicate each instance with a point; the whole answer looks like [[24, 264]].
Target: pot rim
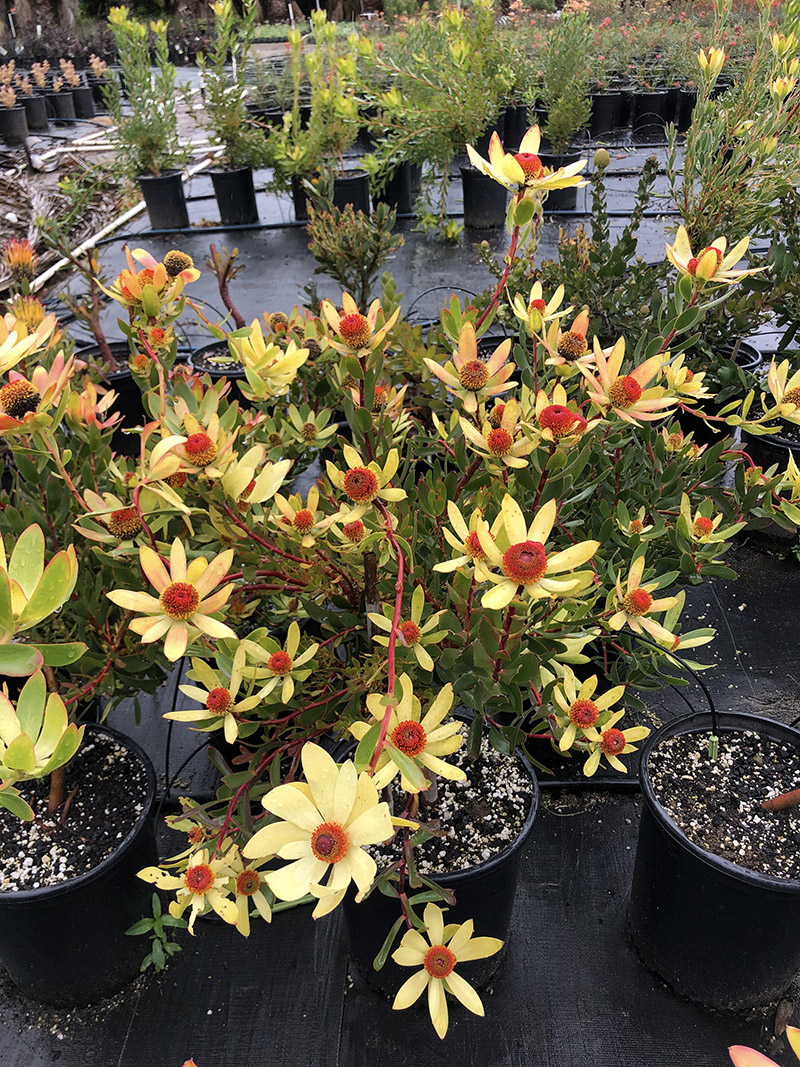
[[45, 894], [233, 371], [700, 722]]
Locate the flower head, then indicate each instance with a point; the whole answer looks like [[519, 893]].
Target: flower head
[[357, 334], [683, 383], [626, 395], [17, 342], [185, 601], [298, 518], [282, 666], [269, 369], [437, 957], [580, 710], [25, 403], [218, 698], [471, 379], [322, 827], [710, 264], [364, 482], [523, 170], [785, 390], [422, 739], [537, 311], [19, 256], [519, 553], [569, 348], [635, 606], [609, 742], [557, 419], [202, 886], [503, 443], [413, 633], [149, 290], [463, 539]]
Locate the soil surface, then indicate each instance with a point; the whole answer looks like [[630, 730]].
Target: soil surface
[[482, 816], [107, 785], [717, 804]]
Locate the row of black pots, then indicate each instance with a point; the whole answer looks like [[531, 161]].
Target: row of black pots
[[719, 934], [32, 113], [646, 113], [353, 189]]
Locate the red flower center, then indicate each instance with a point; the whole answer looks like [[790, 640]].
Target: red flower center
[[361, 484], [248, 883], [702, 526], [329, 842], [637, 602], [531, 164], [583, 713], [179, 600], [499, 442], [199, 449], [439, 961], [473, 375], [473, 546], [280, 663], [18, 398], [354, 531], [219, 701], [636, 526], [525, 562], [572, 346], [355, 330], [537, 305], [410, 632], [409, 737], [199, 879], [124, 522], [559, 420], [624, 392], [496, 415], [689, 376], [380, 398], [303, 520], [613, 742]]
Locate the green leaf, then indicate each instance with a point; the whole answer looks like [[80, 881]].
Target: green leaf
[[366, 747], [18, 661], [381, 958], [61, 655], [20, 755], [144, 926], [408, 767], [27, 560], [13, 802], [50, 593], [523, 213]]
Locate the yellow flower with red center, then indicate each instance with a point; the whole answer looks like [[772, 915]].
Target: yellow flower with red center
[[362, 483], [412, 736], [785, 390], [569, 348], [437, 957], [244, 481], [323, 825], [301, 519], [203, 886], [635, 606], [626, 395], [186, 600], [537, 311], [711, 264], [520, 554], [523, 170], [701, 527], [557, 419], [17, 342], [357, 334], [25, 403], [610, 742], [580, 709], [412, 633], [504, 443], [20, 258], [471, 379], [218, 699], [281, 666], [151, 289], [118, 520], [684, 383], [636, 526], [463, 539], [248, 890], [206, 449]]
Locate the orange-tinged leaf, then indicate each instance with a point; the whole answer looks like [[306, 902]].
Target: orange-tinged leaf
[[748, 1057]]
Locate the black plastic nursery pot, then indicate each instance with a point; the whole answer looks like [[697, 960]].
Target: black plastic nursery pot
[[748, 358], [649, 116], [484, 200], [83, 101], [516, 126], [129, 396], [13, 124], [299, 200], [560, 199], [165, 198], [64, 104], [484, 893], [351, 189], [397, 192], [605, 113], [201, 361], [717, 933], [770, 449], [687, 98], [65, 945], [36, 113], [236, 196]]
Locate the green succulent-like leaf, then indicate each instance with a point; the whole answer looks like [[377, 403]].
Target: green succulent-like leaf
[[7, 625], [30, 705], [411, 770], [27, 560], [54, 586], [67, 747], [366, 747], [61, 655], [13, 802], [18, 661], [20, 755]]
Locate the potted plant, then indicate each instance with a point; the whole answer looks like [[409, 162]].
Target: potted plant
[[13, 121], [243, 144], [82, 98], [35, 106], [147, 147], [62, 99]]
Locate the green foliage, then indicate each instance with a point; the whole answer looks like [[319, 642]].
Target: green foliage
[[565, 85], [157, 929]]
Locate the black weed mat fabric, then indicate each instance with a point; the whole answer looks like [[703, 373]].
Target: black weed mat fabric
[[571, 991]]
